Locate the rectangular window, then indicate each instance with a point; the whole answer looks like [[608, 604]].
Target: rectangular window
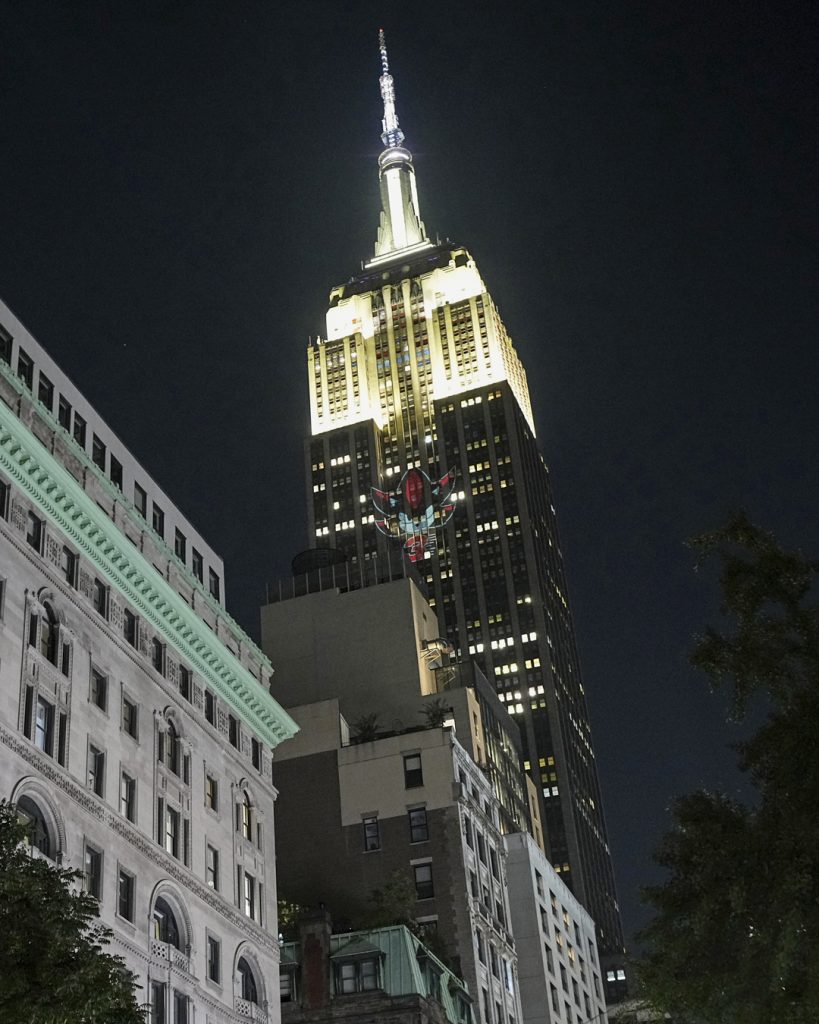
[[158, 655], [172, 832], [212, 867], [129, 626], [233, 731], [213, 584], [44, 727], [99, 598], [423, 881], [64, 413], [68, 566], [413, 774], [125, 895], [372, 834], [62, 738], [180, 544], [419, 833], [184, 675], [180, 1008], [249, 891], [96, 769], [213, 959], [256, 753], [45, 391], [99, 689], [79, 430], [197, 565], [5, 490], [140, 500], [158, 990], [211, 793], [210, 707], [127, 796], [130, 717], [98, 452], [285, 986], [25, 369], [5, 346], [158, 520], [116, 472], [92, 872], [34, 532]]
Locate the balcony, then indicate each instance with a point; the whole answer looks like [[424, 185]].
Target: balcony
[[170, 954], [250, 1011]]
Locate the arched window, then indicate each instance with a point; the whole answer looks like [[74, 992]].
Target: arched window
[[247, 982], [165, 927], [33, 818], [49, 634]]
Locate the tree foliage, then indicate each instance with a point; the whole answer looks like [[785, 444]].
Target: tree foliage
[[736, 933], [53, 964]]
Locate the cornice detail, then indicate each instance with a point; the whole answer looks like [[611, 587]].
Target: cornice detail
[[58, 495]]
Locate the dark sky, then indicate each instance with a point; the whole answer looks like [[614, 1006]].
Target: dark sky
[[182, 183]]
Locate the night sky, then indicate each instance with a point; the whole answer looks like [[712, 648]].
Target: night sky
[[182, 183]]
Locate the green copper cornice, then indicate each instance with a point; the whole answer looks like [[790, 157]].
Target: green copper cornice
[[58, 495]]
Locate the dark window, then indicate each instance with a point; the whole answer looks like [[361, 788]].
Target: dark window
[[210, 707], [140, 500], [5, 346], [372, 834], [127, 796], [212, 867], [64, 412], [249, 897], [419, 832], [92, 871], [211, 793], [213, 959], [165, 927], [34, 532], [130, 717], [493, 860], [62, 738], [125, 895], [213, 584], [116, 472], [185, 682], [25, 369], [45, 391], [100, 598], [423, 881], [98, 452], [129, 626], [79, 430], [197, 565], [172, 749], [245, 811], [158, 990], [44, 727], [413, 775], [233, 731], [158, 520], [99, 689], [180, 544], [256, 753], [158, 655], [4, 499], [172, 831], [248, 982], [96, 770]]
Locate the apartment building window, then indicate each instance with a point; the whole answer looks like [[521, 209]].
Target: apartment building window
[[245, 815], [372, 834], [210, 707], [5, 346], [287, 986], [127, 796], [180, 1008], [180, 544], [357, 976], [99, 689], [424, 889], [158, 1000], [233, 731], [413, 774], [116, 472], [211, 793], [92, 872], [172, 832], [5, 490], [158, 520], [249, 895], [184, 675], [125, 895], [96, 769], [45, 391], [158, 655], [79, 430], [213, 584], [99, 598], [481, 848], [212, 867], [247, 982], [197, 565], [64, 413], [34, 532], [130, 717], [129, 626], [419, 833], [140, 500], [256, 753], [98, 452], [44, 727], [25, 369], [214, 958]]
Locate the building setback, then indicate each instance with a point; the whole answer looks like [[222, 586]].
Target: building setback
[[423, 439], [136, 722]]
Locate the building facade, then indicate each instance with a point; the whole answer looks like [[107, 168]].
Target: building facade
[[423, 440], [136, 721]]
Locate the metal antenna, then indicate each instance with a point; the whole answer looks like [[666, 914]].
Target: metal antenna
[[391, 135]]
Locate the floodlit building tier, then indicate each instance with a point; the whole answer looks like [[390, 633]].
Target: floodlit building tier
[[558, 964], [136, 721], [423, 438], [414, 806]]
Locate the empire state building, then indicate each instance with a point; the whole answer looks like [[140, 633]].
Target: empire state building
[[423, 448]]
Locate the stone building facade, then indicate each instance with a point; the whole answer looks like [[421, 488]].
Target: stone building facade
[[136, 721]]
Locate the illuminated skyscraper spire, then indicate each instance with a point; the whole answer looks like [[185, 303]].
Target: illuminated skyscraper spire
[[401, 227]]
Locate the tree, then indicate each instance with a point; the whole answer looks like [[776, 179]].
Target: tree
[[53, 964], [736, 936]]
